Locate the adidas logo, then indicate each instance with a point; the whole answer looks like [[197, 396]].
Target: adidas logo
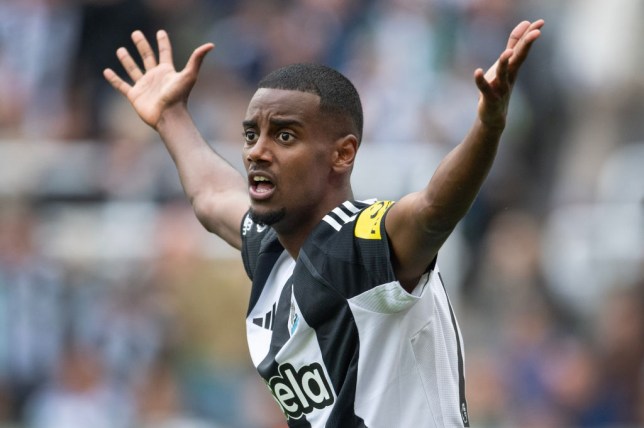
[[268, 319]]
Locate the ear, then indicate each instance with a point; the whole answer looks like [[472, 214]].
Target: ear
[[344, 154]]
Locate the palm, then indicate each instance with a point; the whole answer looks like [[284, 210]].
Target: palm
[[158, 89], [160, 86]]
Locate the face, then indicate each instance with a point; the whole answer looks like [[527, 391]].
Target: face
[[287, 155]]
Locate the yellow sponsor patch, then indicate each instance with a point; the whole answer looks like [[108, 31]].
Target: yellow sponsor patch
[[368, 223]]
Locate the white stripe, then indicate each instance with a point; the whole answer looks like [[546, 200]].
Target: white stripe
[[369, 201], [332, 222], [348, 205], [343, 216]]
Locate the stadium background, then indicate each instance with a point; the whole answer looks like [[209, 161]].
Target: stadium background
[[117, 310]]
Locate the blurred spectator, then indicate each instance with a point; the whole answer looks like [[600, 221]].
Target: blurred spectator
[[105, 25], [37, 42], [600, 71], [32, 313], [619, 336], [159, 400], [134, 327], [79, 396], [396, 73], [487, 390], [509, 278]]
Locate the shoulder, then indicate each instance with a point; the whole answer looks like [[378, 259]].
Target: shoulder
[[351, 221], [369, 223], [349, 249]]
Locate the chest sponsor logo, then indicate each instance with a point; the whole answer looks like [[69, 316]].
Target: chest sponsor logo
[[299, 392], [368, 224]]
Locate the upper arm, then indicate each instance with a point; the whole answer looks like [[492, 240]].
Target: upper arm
[[222, 212], [416, 233], [421, 222]]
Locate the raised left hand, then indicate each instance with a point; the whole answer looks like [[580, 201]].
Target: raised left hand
[[496, 84]]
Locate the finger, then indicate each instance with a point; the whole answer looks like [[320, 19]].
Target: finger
[[131, 68], [522, 49], [522, 30], [529, 35], [538, 24], [482, 84], [145, 50], [517, 33], [165, 48], [503, 69], [116, 82], [196, 59]]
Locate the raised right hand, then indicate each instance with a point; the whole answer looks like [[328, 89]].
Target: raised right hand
[[160, 86]]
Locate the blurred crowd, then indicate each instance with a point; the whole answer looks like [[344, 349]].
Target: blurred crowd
[[117, 310]]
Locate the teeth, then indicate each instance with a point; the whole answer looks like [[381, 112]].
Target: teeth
[[258, 178]]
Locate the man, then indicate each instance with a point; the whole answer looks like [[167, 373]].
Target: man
[[349, 323]]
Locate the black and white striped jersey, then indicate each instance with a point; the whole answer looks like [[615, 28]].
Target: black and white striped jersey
[[337, 339]]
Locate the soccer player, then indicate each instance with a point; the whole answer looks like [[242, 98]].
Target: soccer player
[[348, 323]]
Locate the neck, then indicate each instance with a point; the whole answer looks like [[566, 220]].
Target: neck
[[292, 244]]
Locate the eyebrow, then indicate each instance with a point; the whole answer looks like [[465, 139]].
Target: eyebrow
[[249, 124], [277, 123], [285, 123]]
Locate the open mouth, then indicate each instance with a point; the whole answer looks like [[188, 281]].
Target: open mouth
[[261, 187]]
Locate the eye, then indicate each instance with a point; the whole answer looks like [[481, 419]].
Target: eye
[[250, 136], [285, 137]]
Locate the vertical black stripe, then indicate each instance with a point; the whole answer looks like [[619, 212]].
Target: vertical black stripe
[[273, 310], [262, 269], [461, 376], [337, 336]]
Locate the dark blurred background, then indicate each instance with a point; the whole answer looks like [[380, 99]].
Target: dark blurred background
[[118, 310]]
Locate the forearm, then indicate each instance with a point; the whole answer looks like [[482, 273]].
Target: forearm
[[200, 168], [216, 190], [438, 208], [459, 177]]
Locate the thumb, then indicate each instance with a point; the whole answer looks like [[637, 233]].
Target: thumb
[[196, 59]]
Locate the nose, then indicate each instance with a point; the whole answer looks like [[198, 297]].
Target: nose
[[259, 151]]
